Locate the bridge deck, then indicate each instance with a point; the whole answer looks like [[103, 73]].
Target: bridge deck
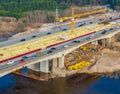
[[41, 43]]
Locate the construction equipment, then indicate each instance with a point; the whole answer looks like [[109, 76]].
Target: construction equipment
[[73, 16], [79, 65]]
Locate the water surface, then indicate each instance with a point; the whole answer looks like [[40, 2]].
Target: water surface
[[79, 84]]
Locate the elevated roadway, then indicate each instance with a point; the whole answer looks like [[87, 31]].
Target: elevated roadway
[[84, 34], [38, 44], [59, 52], [53, 29]]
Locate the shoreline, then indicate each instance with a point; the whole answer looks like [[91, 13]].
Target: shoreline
[[96, 68]]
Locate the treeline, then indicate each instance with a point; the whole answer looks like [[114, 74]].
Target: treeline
[[27, 5], [9, 14], [16, 8], [111, 3], [84, 2]]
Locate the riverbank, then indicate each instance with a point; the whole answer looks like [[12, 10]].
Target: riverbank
[[105, 61], [78, 84], [100, 59]]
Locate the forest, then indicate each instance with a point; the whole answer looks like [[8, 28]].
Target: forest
[[17, 8]]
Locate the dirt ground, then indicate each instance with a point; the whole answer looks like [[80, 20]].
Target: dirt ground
[[105, 59]]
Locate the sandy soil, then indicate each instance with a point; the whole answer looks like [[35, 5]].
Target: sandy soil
[[109, 61]]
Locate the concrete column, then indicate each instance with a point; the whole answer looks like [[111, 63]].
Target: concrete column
[[108, 42], [100, 42], [94, 42], [44, 66], [103, 42], [55, 62], [61, 62], [35, 67], [31, 66], [58, 67]]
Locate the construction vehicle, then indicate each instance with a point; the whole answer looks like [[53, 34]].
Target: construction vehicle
[[73, 16], [79, 65]]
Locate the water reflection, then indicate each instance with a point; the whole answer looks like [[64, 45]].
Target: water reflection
[[7, 82], [112, 75], [78, 84]]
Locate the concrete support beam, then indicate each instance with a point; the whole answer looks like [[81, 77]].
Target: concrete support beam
[[61, 62], [34, 67], [58, 67], [37, 66], [31, 66], [55, 62], [94, 42], [108, 42], [44, 66], [103, 42]]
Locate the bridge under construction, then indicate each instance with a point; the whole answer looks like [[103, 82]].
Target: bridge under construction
[[53, 41]]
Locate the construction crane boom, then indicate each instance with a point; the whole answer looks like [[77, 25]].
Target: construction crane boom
[[72, 20], [73, 16]]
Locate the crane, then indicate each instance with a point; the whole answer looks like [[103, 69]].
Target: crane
[[73, 16]]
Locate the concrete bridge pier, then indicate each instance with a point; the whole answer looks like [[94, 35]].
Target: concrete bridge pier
[[58, 62], [44, 66], [108, 42], [95, 42], [59, 66], [61, 62], [55, 64], [103, 42], [34, 67], [41, 66]]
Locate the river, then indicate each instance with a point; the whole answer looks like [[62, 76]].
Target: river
[[78, 84]]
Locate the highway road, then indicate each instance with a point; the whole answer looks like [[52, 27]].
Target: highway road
[[56, 29], [43, 32], [59, 47]]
